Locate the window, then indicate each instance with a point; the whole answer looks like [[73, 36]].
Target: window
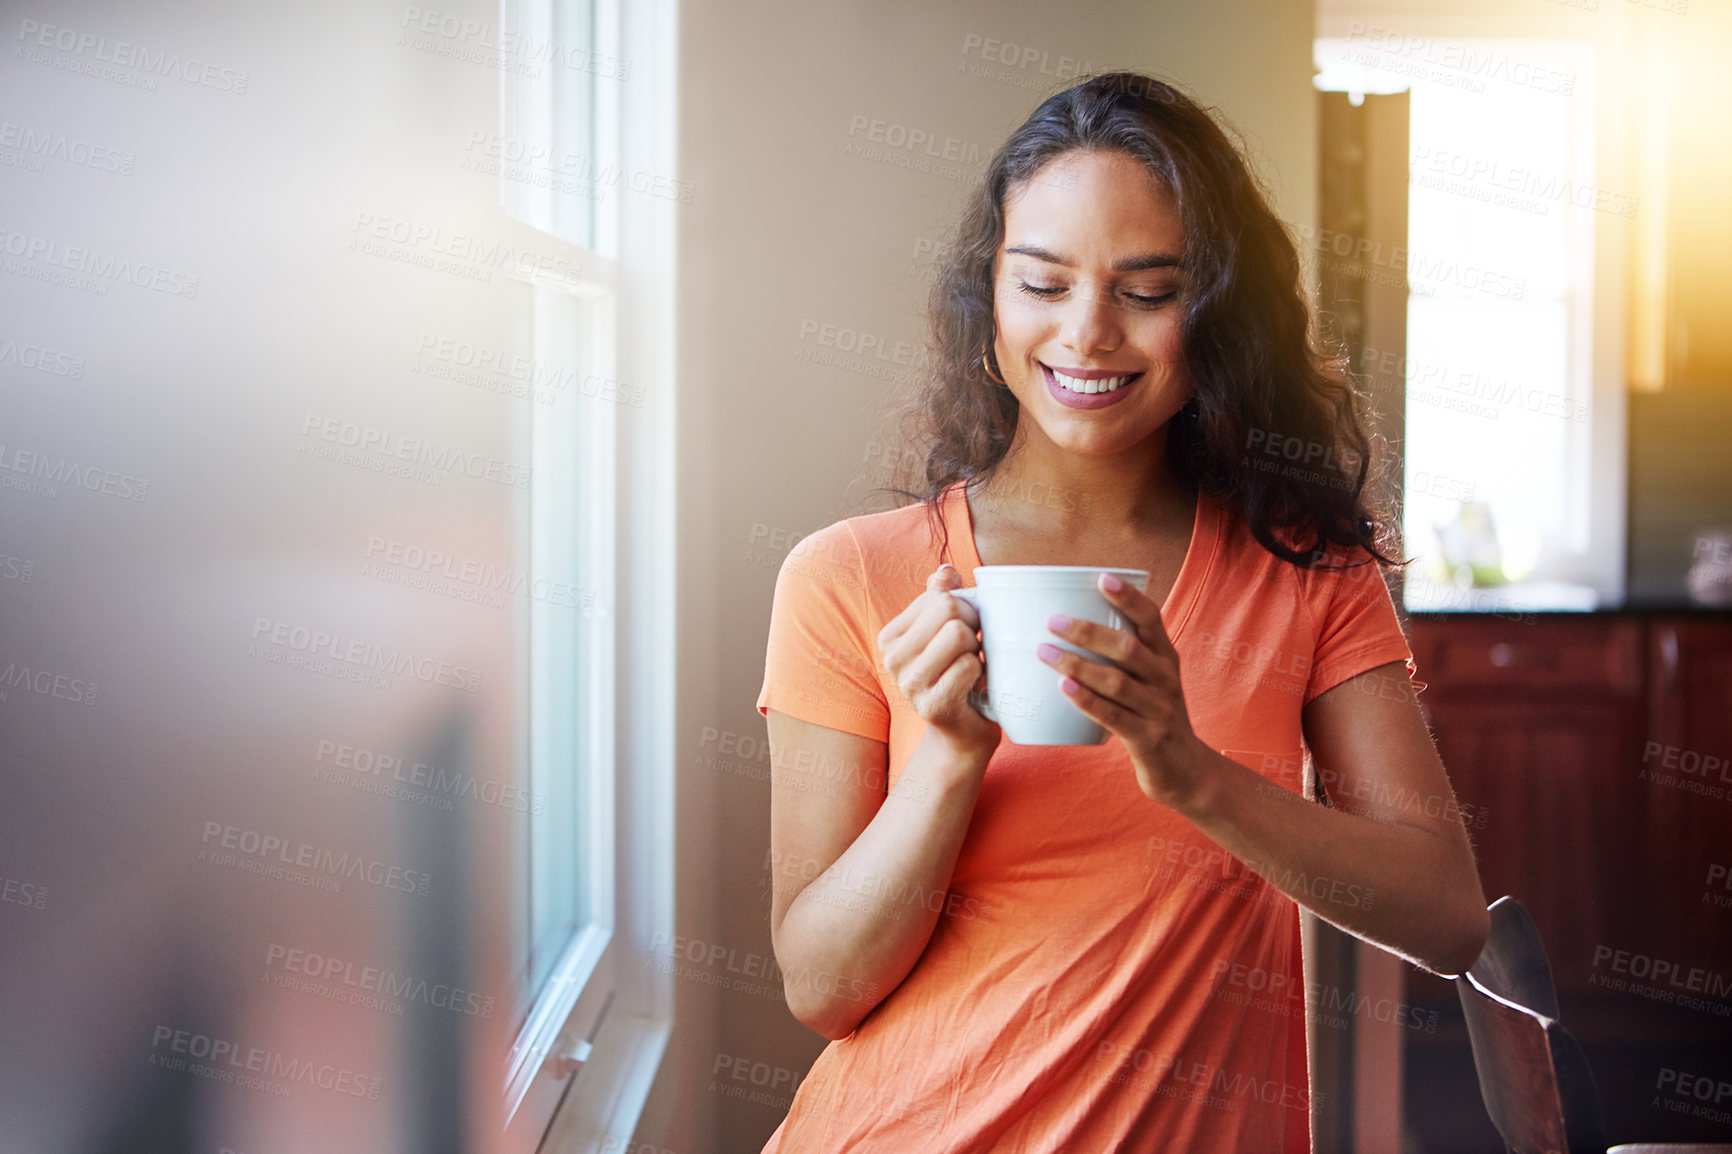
[[1501, 485], [593, 850]]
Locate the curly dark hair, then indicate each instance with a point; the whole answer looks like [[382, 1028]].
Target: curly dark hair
[[1261, 386]]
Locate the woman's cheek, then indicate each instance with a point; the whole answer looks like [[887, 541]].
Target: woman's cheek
[[1017, 332], [1016, 311]]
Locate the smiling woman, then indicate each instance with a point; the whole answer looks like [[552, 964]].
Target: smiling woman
[[1054, 948]]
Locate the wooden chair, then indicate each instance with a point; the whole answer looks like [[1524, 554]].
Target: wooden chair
[[1534, 1078]]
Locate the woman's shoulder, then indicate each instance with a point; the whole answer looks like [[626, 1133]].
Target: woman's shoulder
[[891, 529], [1341, 574], [1240, 552], [1244, 550], [891, 545]]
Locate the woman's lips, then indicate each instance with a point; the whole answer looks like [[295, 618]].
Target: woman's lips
[[1096, 378]]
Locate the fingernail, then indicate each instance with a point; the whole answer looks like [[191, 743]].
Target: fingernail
[[1110, 583], [1058, 623], [1047, 651]]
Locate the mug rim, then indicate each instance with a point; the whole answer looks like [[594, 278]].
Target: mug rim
[[1056, 570]]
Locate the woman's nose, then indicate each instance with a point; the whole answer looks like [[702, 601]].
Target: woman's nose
[[1091, 323]]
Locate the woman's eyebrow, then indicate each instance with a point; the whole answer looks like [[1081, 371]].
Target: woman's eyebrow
[[1128, 264], [1152, 260]]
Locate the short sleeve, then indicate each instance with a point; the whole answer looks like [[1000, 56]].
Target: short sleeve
[[1357, 629], [821, 662]]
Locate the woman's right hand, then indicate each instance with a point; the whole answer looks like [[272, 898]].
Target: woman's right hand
[[933, 654]]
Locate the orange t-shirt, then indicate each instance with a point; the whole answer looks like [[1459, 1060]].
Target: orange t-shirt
[[1104, 977]]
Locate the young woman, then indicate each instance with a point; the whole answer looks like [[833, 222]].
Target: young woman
[[1089, 948]]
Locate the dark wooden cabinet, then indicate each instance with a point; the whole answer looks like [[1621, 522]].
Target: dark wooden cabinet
[[1541, 725], [1686, 764], [1596, 756], [1593, 757]]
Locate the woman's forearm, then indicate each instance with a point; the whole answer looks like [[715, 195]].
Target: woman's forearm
[[1411, 888], [856, 930]]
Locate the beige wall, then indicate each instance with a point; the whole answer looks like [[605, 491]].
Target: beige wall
[[786, 232]]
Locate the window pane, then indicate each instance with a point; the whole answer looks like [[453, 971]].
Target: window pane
[[558, 714], [1500, 276], [549, 175], [1486, 392], [1488, 192]]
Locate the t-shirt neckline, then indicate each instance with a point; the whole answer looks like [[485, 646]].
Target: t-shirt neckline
[[1181, 598]]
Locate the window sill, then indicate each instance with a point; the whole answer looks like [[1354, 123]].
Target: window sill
[[601, 1109]]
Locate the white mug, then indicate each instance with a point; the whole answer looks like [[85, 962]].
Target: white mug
[[1022, 691]]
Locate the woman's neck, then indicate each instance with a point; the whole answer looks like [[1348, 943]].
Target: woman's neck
[[1073, 496]]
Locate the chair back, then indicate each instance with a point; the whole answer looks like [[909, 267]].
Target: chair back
[[1513, 966], [1534, 1078]]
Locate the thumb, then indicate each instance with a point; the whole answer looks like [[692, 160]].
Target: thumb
[[944, 578]]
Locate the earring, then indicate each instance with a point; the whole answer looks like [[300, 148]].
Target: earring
[[987, 368]]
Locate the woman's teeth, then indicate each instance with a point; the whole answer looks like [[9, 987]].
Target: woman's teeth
[[1103, 385]]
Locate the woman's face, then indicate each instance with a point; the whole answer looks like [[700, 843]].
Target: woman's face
[[1087, 297]]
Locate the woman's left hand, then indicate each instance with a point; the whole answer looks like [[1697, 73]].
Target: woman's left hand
[[1141, 699]]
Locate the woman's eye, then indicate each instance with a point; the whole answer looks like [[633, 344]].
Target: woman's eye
[[1140, 300]]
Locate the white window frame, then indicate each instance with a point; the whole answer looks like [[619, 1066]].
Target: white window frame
[[581, 1064], [1595, 356]]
